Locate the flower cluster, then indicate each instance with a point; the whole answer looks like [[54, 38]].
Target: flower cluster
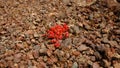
[[56, 33]]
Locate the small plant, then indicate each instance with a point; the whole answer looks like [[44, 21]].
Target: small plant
[[56, 33]]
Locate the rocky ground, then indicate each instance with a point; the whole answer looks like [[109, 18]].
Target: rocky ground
[[93, 42]]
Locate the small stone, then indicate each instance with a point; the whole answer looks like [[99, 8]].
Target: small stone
[[32, 67], [52, 47], [36, 35], [49, 52], [88, 27], [117, 65], [72, 58], [107, 64], [9, 58], [69, 63], [17, 57], [75, 41], [54, 59], [82, 47], [96, 65], [67, 42], [59, 52], [92, 58], [62, 53], [42, 45], [16, 65], [76, 29], [98, 34], [85, 2], [105, 40], [19, 45], [22, 66], [66, 1], [50, 61], [29, 32], [75, 65], [33, 27], [43, 51], [89, 62], [30, 55], [36, 54], [114, 44], [43, 65], [76, 53], [67, 55], [9, 63], [37, 47], [25, 44], [97, 55], [62, 59], [45, 58], [117, 32], [33, 40]]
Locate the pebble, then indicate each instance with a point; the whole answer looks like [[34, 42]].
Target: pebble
[[32, 67], [33, 40], [107, 64], [88, 27], [92, 58], [67, 55], [96, 65], [33, 27], [44, 50], [29, 32], [116, 65], [36, 35], [9, 58], [17, 57], [76, 53], [37, 47], [75, 41], [45, 58], [66, 1], [97, 55], [67, 42], [16, 65], [30, 55], [105, 40], [54, 59], [36, 53], [20, 45], [82, 47], [75, 65], [49, 52], [114, 44], [76, 29]]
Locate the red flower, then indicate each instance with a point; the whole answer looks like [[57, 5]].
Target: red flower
[[57, 33], [66, 34], [57, 44], [53, 41]]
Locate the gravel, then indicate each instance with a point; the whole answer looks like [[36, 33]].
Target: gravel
[[94, 34]]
